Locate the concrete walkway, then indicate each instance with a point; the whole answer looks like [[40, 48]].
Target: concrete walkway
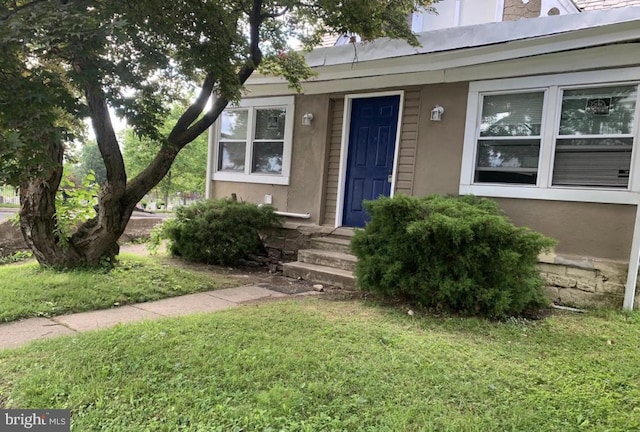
[[18, 333]]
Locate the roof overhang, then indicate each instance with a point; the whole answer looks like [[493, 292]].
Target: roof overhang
[[456, 49]]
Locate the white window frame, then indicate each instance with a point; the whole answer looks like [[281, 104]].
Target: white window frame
[[553, 86], [286, 102]]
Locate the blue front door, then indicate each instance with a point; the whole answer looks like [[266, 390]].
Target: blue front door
[[372, 140]]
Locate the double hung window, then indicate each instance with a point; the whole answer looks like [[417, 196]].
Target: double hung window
[[253, 141], [571, 139]]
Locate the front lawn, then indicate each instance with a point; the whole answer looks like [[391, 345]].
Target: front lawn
[[316, 365], [28, 290]]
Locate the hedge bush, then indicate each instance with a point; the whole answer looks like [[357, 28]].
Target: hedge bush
[[220, 232], [456, 253]]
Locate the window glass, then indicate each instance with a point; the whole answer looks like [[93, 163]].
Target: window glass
[[589, 160], [508, 161], [598, 111], [253, 142], [233, 124], [231, 156], [267, 157], [270, 123], [592, 162], [509, 142], [518, 114], [508, 154]]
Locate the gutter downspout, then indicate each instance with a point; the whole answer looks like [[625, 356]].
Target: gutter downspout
[[634, 263]]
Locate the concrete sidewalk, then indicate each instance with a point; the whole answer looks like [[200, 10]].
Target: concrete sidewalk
[[18, 333]]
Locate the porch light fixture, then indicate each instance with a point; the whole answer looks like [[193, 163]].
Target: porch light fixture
[[436, 113], [307, 119]]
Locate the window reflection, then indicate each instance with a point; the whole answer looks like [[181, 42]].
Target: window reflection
[[598, 111]]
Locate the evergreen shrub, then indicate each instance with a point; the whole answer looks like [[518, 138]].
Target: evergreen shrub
[[223, 232], [460, 254]]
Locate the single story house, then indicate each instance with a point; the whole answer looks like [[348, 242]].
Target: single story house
[[540, 114]]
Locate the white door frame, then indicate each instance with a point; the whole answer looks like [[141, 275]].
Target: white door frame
[[344, 146]]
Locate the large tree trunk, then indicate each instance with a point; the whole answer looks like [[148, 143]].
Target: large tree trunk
[[93, 241], [97, 239], [38, 213]]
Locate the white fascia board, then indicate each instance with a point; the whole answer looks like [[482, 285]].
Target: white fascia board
[[606, 57]]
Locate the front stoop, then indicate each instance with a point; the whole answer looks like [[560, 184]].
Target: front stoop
[[328, 262]]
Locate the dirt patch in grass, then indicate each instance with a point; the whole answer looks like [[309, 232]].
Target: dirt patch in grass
[[250, 276]]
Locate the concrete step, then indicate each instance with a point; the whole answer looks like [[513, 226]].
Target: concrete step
[[344, 232], [327, 258], [334, 244], [320, 274]]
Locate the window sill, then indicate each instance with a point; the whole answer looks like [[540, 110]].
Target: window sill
[[608, 196], [251, 178]]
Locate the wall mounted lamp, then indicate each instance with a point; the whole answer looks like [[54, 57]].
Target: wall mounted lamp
[[436, 113], [307, 118]]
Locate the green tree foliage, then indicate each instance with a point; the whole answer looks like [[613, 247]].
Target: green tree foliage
[[64, 60], [75, 201], [218, 231], [90, 161], [460, 254], [188, 172]]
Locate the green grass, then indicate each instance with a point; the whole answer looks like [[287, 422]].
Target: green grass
[[9, 205], [28, 290], [315, 365]]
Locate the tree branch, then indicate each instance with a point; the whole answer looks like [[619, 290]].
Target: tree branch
[[105, 135], [15, 8], [195, 109], [177, 140], [256, 18], [277, 14]]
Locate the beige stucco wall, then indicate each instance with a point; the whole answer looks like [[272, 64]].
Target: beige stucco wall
[[584, 229], [439, 154], [602, 231], [251, 192], [303, 195], [308, 159]]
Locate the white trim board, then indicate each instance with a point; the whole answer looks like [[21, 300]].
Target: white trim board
[[344, 145], [610, 57]]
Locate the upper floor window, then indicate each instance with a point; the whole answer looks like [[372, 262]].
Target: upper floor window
[[253, 141], [571, 139]]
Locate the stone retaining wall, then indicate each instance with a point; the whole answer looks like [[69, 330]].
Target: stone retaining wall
[[582, 281], [573, 281], [11, 239]]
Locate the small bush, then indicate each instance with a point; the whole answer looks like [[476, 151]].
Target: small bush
[[15, 257], [218, 231], [456, 253]]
